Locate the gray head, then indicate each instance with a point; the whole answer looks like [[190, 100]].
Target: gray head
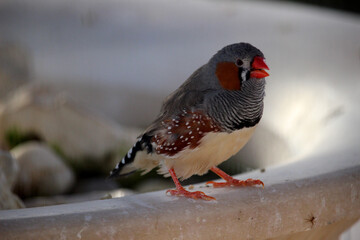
[[237, 63]]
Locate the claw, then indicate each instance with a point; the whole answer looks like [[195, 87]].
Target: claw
[[218, 184], [230, 181], [238, 183], [194, 195], [180, 191]]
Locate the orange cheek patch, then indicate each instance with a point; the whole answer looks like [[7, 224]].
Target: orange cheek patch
[[227, 73]]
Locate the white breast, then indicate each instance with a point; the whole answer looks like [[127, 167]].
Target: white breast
[[214, 149]]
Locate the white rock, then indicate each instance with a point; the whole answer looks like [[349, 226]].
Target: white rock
[[8, 200], [8, 170], [9, 167], [79, 133], [41, 172]]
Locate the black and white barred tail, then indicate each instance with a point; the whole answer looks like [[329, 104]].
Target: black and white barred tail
[[142, 143]]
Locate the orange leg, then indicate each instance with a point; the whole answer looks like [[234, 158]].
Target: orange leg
[[180, 191], [231, 181]]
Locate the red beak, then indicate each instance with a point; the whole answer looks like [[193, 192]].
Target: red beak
[[258, 67]]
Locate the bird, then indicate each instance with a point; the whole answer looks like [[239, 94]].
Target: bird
[[209, 118]]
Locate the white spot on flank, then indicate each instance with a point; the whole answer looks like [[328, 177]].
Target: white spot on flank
[[186, 139], [169, 128], [122, 161], [181, 137], [192, 136], [187, 123], [190, 132]]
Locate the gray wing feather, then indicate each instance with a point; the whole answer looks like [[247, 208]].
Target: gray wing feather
[[189, 96]]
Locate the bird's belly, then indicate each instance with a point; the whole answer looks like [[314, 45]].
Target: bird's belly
[[214, 148]]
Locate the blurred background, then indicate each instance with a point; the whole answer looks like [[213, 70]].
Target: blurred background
[[336, 5], [80, 80]]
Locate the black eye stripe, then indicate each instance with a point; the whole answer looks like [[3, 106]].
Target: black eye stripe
[[248, 75], [240, 73]]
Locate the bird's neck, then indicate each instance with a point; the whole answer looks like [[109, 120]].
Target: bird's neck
[[253, 91], [238, 109]]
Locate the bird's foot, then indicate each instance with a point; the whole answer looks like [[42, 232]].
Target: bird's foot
[[230, 181], [237, 183], [194, 195]]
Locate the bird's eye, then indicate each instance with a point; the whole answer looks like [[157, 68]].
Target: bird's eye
[[239, 62]]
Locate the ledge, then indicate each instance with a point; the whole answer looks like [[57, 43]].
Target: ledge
[[294, 201]]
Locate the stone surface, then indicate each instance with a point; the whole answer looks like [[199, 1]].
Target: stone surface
[[299, 198], [41, 172], [8, 171], [83, 137], [74, 198]]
